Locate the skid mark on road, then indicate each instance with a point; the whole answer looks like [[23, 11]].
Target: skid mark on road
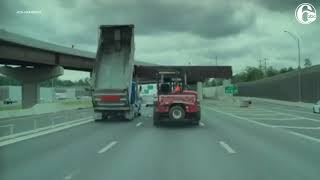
[[109, 146]]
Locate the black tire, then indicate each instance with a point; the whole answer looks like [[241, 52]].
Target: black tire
[[314, 111], [196, 123], [176, 113], [198, 115], [156, 123], [97, 120], [155, 117]]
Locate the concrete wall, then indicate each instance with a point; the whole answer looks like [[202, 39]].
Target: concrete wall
[[46, 94], [4, 93], [15, 93], [217, 92], [285, 86]]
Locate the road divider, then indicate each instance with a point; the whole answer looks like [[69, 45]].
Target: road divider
[[9, 127], [42, 131], [109, 146]]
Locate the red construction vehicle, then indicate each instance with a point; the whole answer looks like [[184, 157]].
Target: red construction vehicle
[[174, 101]]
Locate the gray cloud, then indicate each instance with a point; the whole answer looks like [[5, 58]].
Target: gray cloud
[[285, 5], [174, 31], [150, 17]]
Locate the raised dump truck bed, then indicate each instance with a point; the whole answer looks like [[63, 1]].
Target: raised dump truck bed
[[113, 71]]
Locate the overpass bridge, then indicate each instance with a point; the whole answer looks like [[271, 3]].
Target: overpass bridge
[[38, 61]]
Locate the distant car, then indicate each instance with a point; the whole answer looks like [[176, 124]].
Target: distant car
[[316, 107], [148, 100], [9, 101]]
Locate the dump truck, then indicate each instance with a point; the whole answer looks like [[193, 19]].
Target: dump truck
[[114, 93]]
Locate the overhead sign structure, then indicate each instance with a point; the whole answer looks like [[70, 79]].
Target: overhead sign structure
[[194, 74], [231, 90]]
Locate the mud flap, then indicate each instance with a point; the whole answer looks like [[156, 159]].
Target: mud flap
[[97, 116], [129, 115]]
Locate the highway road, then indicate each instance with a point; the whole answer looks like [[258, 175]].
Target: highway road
[[265, 141]]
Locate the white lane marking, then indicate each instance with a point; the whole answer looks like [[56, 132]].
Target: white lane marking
[[277, 119], [290, 110], [301, 117], [36, 133], [202, 124], [305, 136], [266, 125], [239, 117], [295, 127], [257, 114], [106, 148], [227, 147], [138, 124], [71, 175]]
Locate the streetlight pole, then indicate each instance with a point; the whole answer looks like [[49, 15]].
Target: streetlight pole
[[299, 63]]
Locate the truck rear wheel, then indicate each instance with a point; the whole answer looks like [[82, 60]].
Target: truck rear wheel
[[176, 113]]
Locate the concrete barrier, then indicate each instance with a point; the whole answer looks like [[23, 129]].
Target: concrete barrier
[[46, 108]]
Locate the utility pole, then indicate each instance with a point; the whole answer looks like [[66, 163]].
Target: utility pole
[[260, 64], [265, 65], [216, 60], [299, 64]]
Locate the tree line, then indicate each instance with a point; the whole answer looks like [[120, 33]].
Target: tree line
[[256, 73]]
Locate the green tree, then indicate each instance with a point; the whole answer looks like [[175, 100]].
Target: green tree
[[307, 63], [285, 70], [271, 71], [254, 73]]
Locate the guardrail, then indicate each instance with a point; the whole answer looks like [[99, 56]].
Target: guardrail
[[10, 127]]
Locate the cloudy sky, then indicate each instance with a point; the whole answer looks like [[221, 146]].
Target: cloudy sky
[[238, 32]]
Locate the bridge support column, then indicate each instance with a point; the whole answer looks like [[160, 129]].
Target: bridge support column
[[30, 78], [199, 91]]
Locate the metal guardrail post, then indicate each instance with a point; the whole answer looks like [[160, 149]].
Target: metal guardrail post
[[34, 124]]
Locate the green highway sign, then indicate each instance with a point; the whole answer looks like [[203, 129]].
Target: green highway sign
[[150, 87], [231, 90]]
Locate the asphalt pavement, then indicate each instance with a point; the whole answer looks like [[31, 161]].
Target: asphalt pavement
[[261, 142]]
